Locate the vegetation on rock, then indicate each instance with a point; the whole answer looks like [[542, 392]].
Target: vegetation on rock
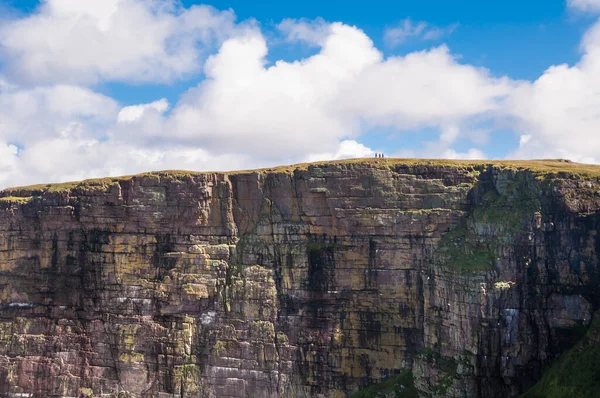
[[302, 279], [459, 251], [576, 373], [400, 385]]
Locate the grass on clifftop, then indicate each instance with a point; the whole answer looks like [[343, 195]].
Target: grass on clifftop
[[576, 373], [400, 385], [540, 167]]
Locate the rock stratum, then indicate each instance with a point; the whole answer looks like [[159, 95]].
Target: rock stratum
[[313, 280]]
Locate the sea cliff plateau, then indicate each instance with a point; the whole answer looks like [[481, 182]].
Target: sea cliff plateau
[[455, 278]]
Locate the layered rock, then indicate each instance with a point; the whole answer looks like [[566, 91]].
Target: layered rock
[[306, 281]]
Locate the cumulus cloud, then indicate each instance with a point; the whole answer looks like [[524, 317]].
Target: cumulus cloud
[[426, 88], [407, 29], [26, 115], [286, 109], [68, 158], [245, 112], [130, 114], [347, 149], [332, 96], [313, 32], [559, 113], [110, 40], [248, 112]]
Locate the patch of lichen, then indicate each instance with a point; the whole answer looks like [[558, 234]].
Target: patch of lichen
[[262, 331], [400, 385], [131, 357], [225, 346], [576, 373], [127, 334], [189, 377]]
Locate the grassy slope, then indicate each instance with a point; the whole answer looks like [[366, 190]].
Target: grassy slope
[[576, 373]]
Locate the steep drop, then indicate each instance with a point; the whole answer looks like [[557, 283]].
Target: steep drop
[[306, 281]]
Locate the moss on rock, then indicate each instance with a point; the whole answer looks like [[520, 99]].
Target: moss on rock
[[460, 251], [400, 385]]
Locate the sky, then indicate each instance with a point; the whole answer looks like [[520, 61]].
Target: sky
[[94, 88]]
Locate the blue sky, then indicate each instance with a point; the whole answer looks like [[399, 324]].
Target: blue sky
[[496, 35], [514, 38], [170, 84]]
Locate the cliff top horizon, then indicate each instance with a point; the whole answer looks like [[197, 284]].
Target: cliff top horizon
[[542, 167]]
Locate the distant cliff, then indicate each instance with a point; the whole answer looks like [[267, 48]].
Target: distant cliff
[[306, 281]]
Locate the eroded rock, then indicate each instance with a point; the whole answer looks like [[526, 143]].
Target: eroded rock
[[312, 281]]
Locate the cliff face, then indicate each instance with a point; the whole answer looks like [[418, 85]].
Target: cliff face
[[302, 282]]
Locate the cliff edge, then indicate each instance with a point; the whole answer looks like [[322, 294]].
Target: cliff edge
[[466, 278]]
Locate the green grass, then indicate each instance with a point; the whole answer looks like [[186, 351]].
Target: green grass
[[401, 385], [542, 167], [576, 373]]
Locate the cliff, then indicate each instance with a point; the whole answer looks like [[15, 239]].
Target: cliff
[[313, 280]]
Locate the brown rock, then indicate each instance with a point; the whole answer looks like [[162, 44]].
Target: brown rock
[[314, 280]]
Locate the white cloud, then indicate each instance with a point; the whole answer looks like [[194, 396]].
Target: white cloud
[[332, 96], [247, 114], [132, 113], [559, 113], [67, 158], [285, 110], [27, 115], [407, 29], [471, 154], [427, 88], [440, 149], [585, 5], [110, 40], [8, 153], [347, 149], [313, 32]]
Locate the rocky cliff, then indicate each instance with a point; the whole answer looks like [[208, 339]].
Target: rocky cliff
[[306, 281]]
